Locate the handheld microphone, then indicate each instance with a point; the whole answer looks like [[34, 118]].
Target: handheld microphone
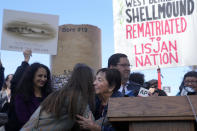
[[143, 92]]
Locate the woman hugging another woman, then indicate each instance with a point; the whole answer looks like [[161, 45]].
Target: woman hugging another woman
[[58, 111]]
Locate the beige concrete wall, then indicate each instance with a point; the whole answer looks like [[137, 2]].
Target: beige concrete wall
[[77, 44]]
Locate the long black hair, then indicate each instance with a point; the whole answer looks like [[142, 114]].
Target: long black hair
[[26, 84]]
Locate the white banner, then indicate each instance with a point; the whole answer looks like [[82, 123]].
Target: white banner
[[24, 30], [156, 33]]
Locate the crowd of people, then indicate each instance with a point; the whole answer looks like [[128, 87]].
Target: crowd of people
[[31, 103]]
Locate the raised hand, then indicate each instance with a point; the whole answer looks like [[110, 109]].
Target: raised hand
[[27, 54]]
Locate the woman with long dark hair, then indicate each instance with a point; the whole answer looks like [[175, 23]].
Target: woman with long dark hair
[[33, 88], [58, 111]]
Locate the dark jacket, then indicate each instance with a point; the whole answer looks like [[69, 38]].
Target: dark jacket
[[1, 76], [13, 124], [17, 76], [24, 109], [134, 88], [101, 111]]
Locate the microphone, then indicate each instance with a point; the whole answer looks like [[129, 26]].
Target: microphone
[[189, 91], [143, 92]]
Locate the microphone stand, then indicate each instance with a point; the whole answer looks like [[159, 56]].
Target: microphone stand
[[193, 110]]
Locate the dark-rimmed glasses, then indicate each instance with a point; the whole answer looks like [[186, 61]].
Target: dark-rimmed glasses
[[125, 65]]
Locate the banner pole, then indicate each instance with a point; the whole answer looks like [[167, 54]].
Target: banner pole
[[159, 77]]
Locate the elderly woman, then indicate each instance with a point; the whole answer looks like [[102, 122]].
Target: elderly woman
[[106, 85]]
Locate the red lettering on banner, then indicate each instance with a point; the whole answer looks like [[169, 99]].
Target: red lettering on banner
[[158, 49], [148, 48], [138, 53], [174, 58], [156, 28], [139, 61], [152, 29], [154, 59], [171, 21], [167, 28], [147, 61], [140, 29], [147, 31], [165, 58], [164, 47], [183, 21], [128, 31], [148, 54], [134, 30], [172, 46]]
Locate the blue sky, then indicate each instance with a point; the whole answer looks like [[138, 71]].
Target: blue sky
[[95, 12]]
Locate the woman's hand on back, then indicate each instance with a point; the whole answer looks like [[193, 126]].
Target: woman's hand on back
[[88, 123]]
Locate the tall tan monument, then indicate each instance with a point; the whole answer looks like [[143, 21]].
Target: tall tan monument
[[77, 44]]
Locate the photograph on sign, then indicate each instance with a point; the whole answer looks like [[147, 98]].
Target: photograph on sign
[[156, 33], [25, 30]]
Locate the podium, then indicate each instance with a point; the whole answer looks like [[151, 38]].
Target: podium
[[156, 113]]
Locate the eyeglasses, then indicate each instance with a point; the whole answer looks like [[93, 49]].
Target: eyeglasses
[[125, 65], [191, 82]]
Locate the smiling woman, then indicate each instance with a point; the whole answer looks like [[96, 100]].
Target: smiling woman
[[106, 85], [40, 78], [33, 88]]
